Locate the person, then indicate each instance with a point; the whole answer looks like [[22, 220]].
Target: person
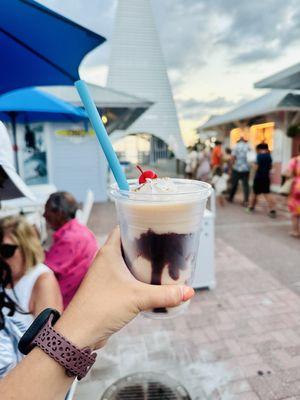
[[219, 183], [203, 166], [74, 245], [240, 170], [217, 155], [294, 197], [107, 300], [227, 161], [262, 181], [27, 286], [227, 167], [191, 162]]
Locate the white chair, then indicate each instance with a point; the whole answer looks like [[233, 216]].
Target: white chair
[[41, 193], [84, 214]]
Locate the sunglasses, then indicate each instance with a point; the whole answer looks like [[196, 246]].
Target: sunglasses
[[7, 250]]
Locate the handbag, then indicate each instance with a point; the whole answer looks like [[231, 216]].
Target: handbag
[[286, 188]]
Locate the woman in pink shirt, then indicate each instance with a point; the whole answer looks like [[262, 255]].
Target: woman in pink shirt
[[74, 245]]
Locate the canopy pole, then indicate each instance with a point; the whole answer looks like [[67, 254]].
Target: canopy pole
[[13, 118]]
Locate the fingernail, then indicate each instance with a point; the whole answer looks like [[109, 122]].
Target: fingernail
[[186, 293]]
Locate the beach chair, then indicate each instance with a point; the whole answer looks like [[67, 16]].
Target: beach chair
[[83, 214]]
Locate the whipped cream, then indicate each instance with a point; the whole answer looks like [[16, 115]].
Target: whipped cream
[[157, 186]]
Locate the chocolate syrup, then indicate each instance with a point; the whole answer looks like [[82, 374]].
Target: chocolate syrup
[[171, 250]]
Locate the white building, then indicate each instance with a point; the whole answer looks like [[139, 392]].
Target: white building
[[67, 154], [264, 119], [137, 67]]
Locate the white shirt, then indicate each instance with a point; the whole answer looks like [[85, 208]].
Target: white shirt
[[17, 325]]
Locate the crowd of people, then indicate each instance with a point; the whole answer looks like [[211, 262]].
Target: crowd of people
[[31, 278], [224, 169]]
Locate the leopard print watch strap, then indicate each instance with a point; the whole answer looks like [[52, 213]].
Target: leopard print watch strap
[[76, 362]]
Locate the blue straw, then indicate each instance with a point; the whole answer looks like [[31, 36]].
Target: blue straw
[[102, 135]]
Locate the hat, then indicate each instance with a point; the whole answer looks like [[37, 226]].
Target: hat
[[11, 184]]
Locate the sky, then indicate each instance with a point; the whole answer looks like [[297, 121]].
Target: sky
[[214, 49]]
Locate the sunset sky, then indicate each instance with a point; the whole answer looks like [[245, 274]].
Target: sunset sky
[[214, 50]]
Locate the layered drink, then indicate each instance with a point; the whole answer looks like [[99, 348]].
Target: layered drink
[[160, 223]]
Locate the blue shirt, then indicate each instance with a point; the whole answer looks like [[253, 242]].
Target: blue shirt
[[240, 153], [264, 165]]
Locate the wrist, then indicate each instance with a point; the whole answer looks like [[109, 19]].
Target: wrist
[[77, 329]]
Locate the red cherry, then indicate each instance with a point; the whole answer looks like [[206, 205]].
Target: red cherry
[[146, 175]]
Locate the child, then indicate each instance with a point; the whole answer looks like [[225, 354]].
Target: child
[[261, 183], [219, 183]]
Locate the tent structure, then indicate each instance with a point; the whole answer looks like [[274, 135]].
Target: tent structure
[[137, 67]]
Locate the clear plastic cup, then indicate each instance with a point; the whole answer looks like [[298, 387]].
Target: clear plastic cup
[[160, 234]]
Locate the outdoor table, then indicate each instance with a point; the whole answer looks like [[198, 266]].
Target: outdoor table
[[205, 268]]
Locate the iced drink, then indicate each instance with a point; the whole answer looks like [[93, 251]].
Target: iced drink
[[160, 223]]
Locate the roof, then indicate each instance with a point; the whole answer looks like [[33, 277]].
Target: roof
[[104, 97], [288, 78], [276, 100]]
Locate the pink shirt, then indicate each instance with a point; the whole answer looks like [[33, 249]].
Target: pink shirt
[[73, 250]]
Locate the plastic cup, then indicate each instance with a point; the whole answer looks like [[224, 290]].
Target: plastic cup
[[160, 234]]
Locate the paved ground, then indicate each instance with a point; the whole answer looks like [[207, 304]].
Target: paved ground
[[264, 241], [240, 341]]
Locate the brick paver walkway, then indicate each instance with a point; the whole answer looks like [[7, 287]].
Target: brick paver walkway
[[238, 342]]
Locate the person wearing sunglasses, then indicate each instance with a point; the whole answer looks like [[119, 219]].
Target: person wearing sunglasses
[[27, 286]]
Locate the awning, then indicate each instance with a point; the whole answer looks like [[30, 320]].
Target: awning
[[288, 78], [102, 96], [121, 109], [277, 100]]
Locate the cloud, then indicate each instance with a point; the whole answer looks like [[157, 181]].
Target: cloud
[[248, 32], [258, 30], [246, 57], [194, 109]]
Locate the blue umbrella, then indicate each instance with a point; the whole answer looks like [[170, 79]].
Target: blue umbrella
[[39, 46], [34, 105]]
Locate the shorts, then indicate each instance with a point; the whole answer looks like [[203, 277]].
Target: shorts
[[261, 185]]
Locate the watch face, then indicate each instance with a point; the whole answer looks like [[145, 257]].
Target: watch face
[[25, 343]]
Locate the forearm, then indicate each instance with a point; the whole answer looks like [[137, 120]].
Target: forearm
[[38, 376], [41, 377]]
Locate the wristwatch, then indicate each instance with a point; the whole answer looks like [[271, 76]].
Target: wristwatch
[[41, 333]]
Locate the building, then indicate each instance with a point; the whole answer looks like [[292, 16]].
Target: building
[[68, 154], [137, 66], [289, 79], [273, 118]]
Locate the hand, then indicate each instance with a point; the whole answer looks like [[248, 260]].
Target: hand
[[110, 297]]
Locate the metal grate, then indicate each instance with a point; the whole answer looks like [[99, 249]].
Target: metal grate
[[146, 386]]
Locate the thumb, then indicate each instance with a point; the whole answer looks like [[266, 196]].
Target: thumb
[[156, 296]]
